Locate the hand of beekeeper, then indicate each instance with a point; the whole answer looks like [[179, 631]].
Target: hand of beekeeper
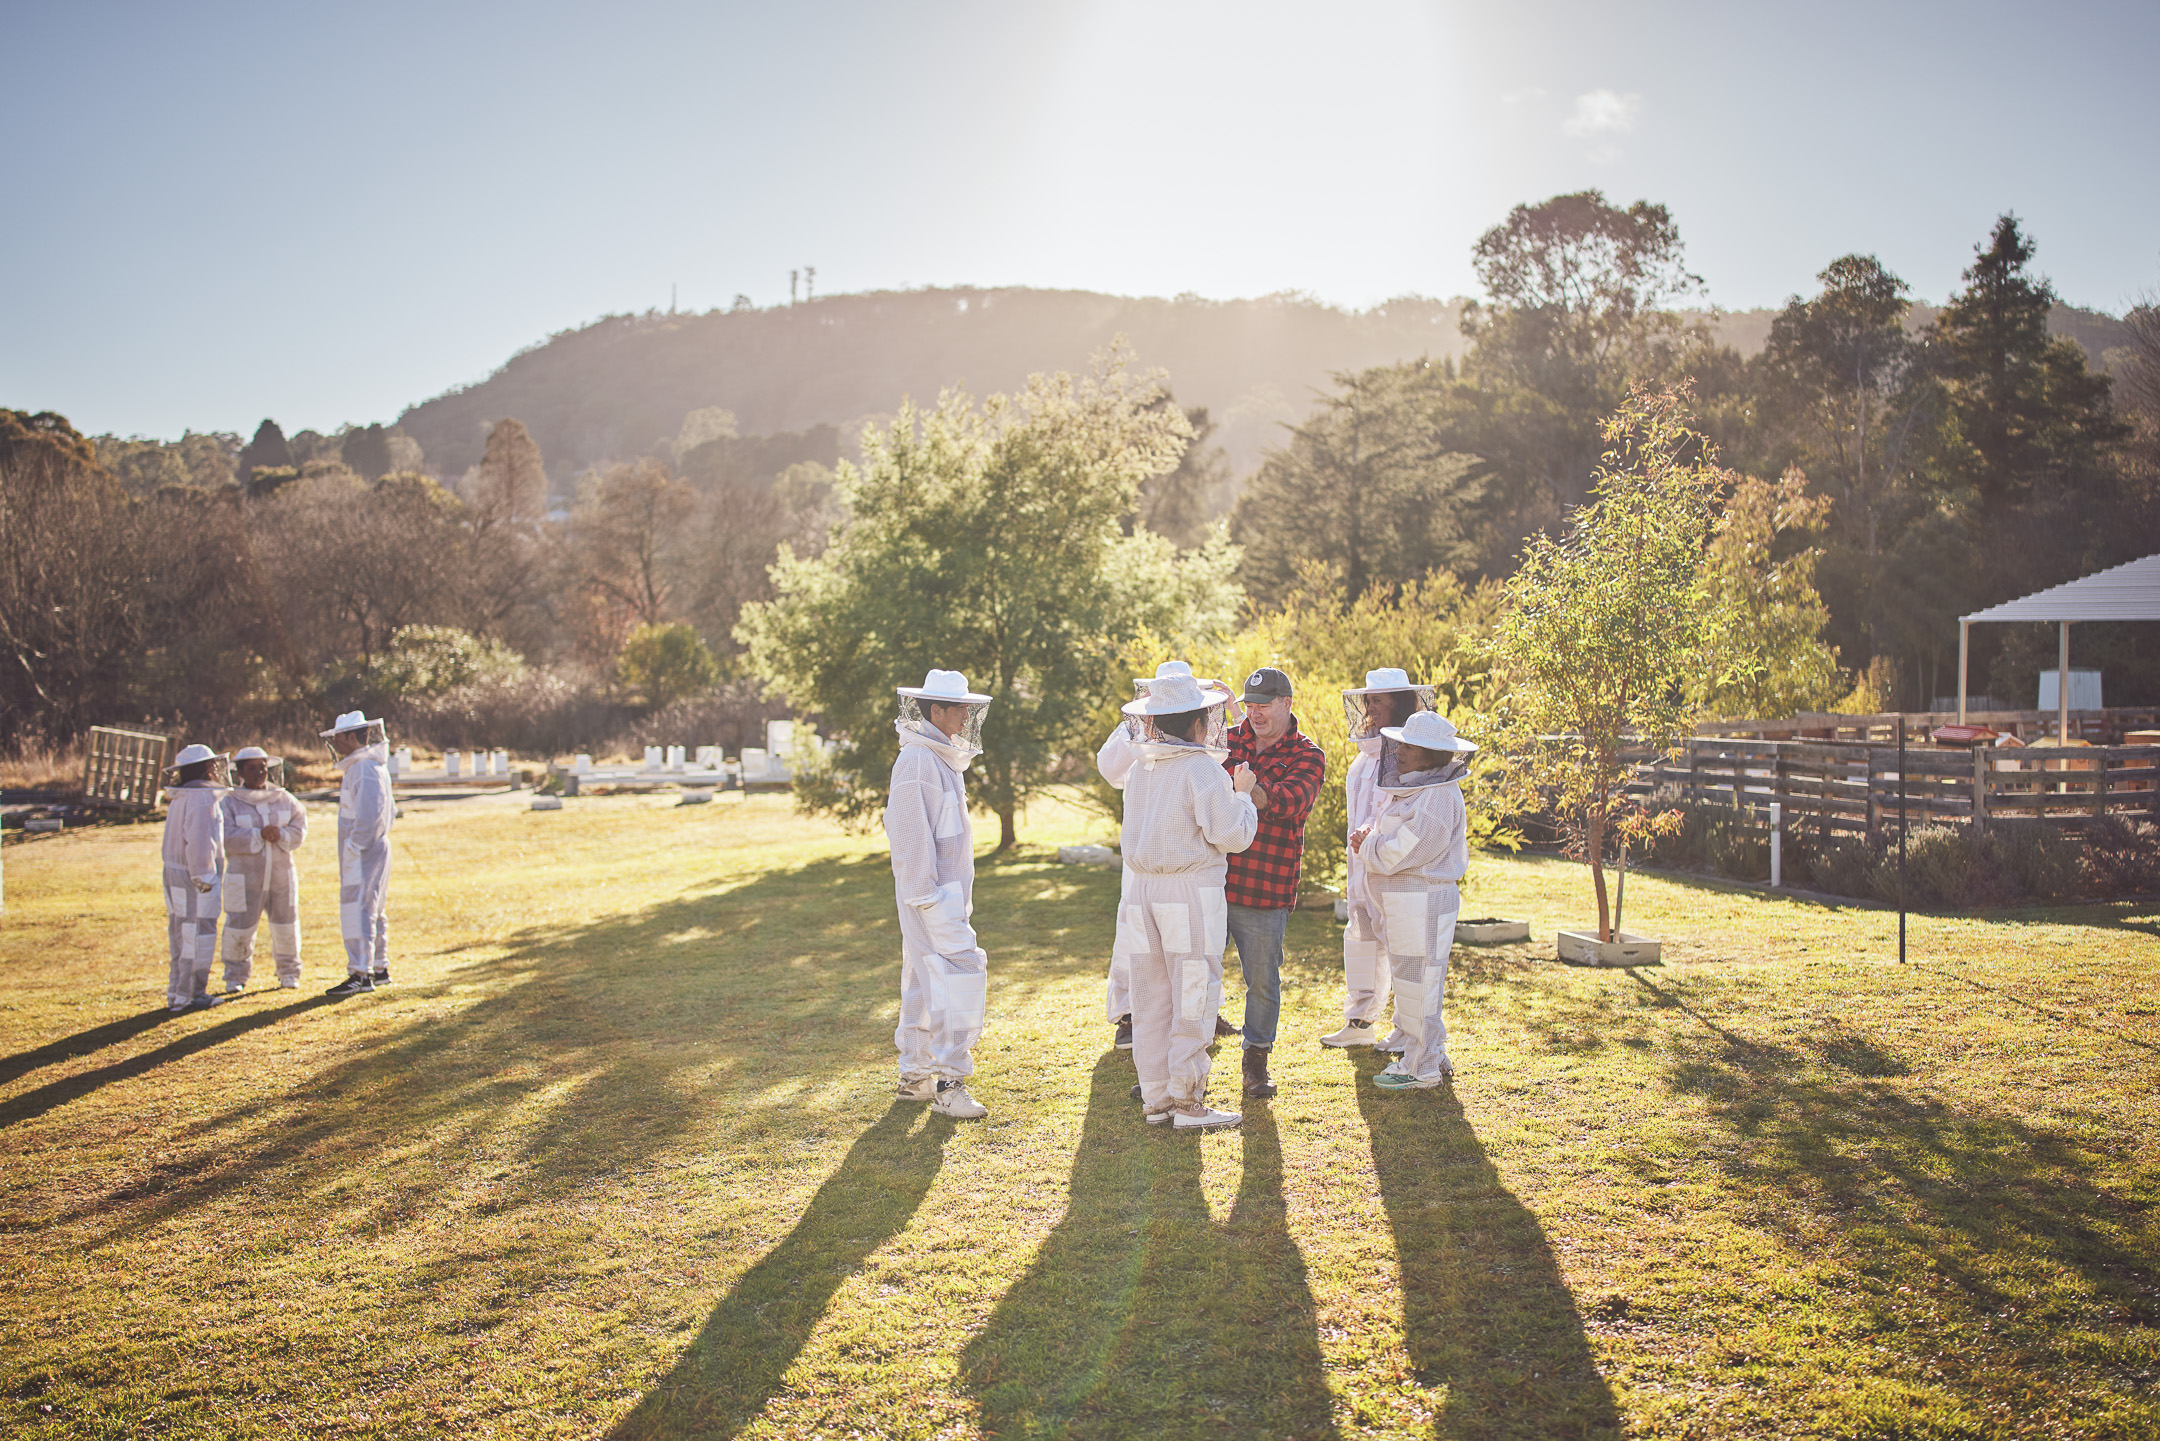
[[204, 884], [1242, 780], [1357, 837], [270, 834]]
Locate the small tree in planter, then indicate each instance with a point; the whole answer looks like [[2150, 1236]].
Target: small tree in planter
[[1603, 632]]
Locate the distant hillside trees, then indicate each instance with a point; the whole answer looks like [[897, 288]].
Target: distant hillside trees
[[1960, 456], [1372, 487], [508, 542], [1966, 460], [70, 620], [267, 451], [1180, 504]]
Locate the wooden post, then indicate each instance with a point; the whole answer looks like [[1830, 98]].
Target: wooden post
[[2100, 789], [1901, 845], [1964, 653], [1980, 788], [2062, 686], [1873, 808]]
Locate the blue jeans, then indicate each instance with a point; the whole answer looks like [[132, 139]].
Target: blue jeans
[[1259, 934]]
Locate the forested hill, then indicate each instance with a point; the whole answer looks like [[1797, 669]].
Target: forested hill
[[620, 387]]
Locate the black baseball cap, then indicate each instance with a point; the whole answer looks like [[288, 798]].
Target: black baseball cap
[[1266, 684]]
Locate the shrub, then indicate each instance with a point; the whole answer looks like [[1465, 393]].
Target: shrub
[[429, 660], [2120, 859], [535, 713], [1948, 866], [665, 663]]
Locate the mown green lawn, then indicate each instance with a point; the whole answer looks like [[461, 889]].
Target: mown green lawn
[[618, 1156]]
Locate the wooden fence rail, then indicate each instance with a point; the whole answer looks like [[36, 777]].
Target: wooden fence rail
[[1853, 787], [2115, 725]]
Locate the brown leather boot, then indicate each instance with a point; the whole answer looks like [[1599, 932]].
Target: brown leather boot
[[1256, 1076]]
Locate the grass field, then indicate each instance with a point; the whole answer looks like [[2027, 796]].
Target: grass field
[[618, 1156]]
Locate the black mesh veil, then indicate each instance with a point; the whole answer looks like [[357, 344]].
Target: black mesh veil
[[913, 715]]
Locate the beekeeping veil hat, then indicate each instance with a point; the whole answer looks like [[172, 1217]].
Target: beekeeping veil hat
[[943, 687], [1170, 668], [275, 773], [220, 766], [1180, 695], [353, 720], [1386, 698], [1430, 731]]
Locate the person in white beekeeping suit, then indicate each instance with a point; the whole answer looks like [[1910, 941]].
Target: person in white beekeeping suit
[[264, 825], [1115, 762], [1415, 851], [1184, 816], [944, 973], [365, 810], [194, 855], [1386, 699]]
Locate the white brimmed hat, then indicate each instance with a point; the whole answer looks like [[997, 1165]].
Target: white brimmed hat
[[948, 686], [1215, 688], [1174, 695], [1429, 731], [351, 720], [189, 755], [1385, 679], [250, 753]]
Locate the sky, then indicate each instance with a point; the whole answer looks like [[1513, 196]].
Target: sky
[[226, 211]]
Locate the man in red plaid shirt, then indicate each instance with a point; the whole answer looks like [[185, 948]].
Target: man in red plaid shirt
[[1262, 886]]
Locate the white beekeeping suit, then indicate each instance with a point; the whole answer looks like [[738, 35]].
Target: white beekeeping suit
[[1415, 856], [944, 973], [264, 825], [1184, 816], [1386, 698], [1115, 761], [194, 857], [365, 811]]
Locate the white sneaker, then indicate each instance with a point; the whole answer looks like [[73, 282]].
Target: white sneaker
[[1156, 1118], [1353, 1033], [953, 1100], [1396, 1068], [922, 1088], [291, 985], [1200, 1116]]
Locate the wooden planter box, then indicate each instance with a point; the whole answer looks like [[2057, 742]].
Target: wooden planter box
[[1624, 949], [1487, 932]]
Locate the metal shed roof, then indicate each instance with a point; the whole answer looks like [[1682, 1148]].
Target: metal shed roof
[[2124, 592]]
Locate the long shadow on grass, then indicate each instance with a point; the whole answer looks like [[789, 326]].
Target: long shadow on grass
[[1142, 1316], [68, 1088], [582, 1056], [738, 1360], [1962, 1221], [82, 1043], [1485, 1313]]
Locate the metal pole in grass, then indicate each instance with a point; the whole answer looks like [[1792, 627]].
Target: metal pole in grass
[[1901, 841]]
